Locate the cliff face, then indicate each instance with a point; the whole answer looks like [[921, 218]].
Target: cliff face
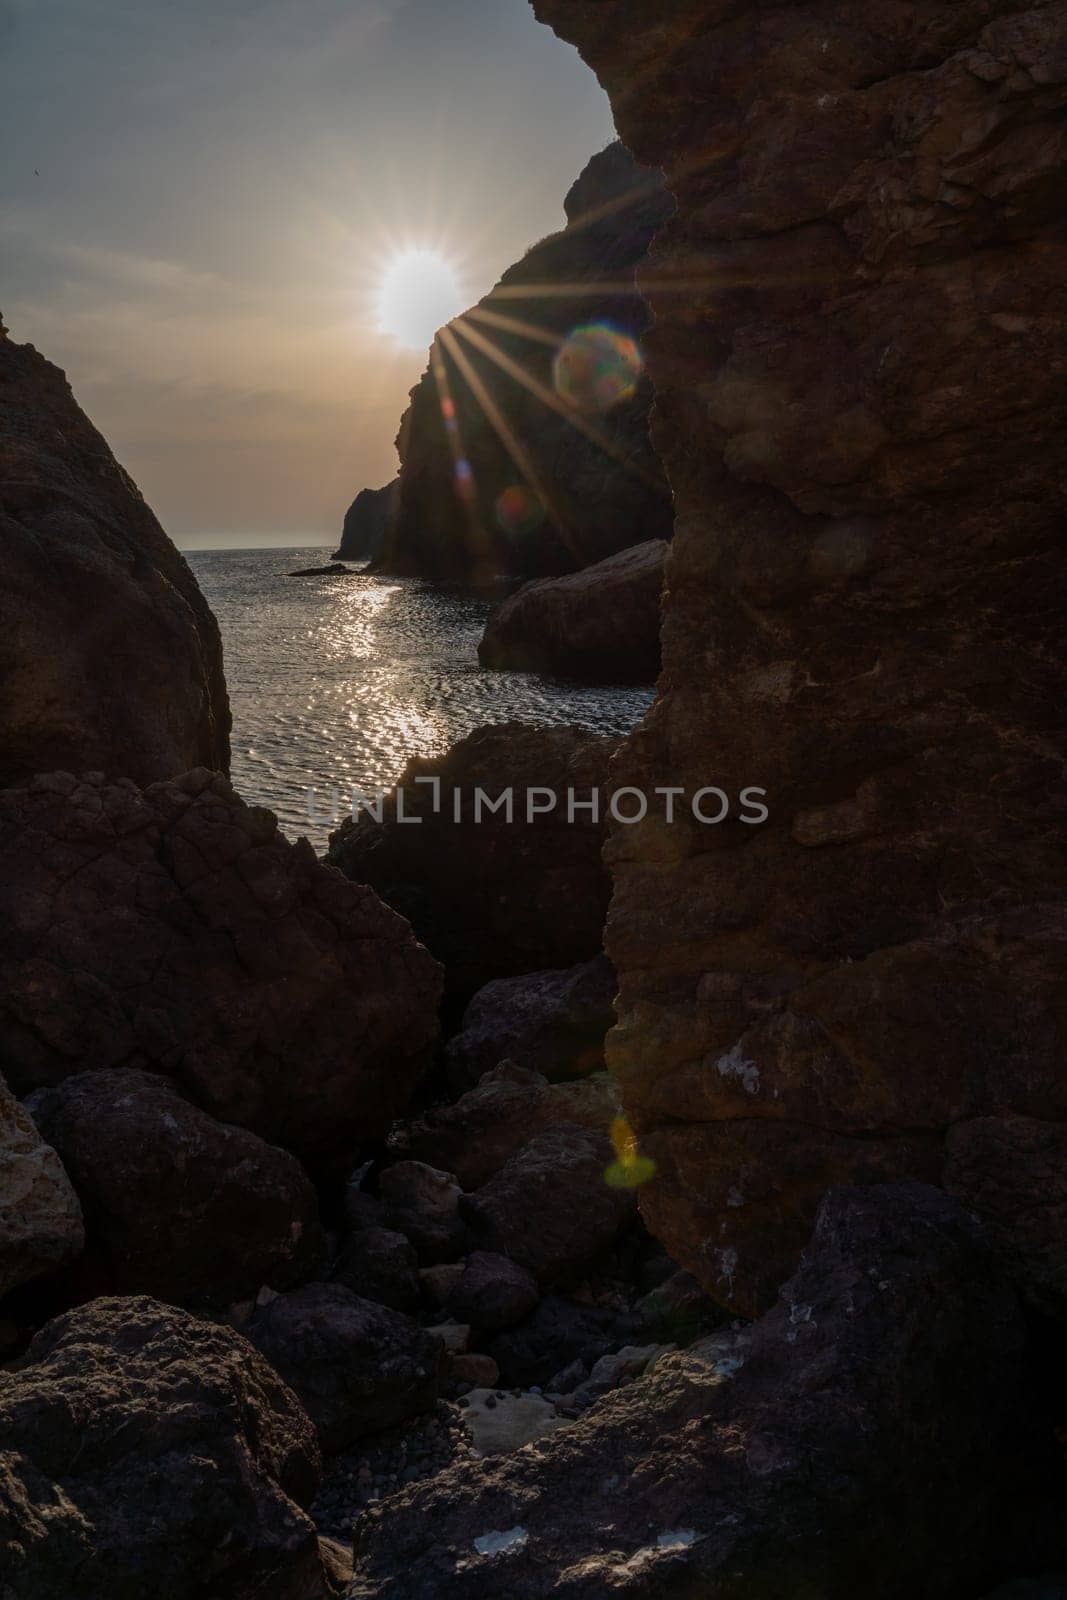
[[499, 475], [366, 524], [859, 368], [110, 659]]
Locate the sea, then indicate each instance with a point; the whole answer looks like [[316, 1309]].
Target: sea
[[335, 683]]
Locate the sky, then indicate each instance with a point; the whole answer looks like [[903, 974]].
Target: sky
[[200, 202]]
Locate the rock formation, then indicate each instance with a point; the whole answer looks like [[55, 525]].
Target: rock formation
[[857, 357], [41, 1224], [109, 656], [550, 1022], [175, 929], [494, 478], [366, 524], [600, 625]]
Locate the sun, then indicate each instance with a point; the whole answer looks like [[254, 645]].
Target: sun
[[419, 293]]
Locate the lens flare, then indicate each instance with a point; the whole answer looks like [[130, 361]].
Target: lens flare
[[597, 367], [519, 511], [630, 1169]]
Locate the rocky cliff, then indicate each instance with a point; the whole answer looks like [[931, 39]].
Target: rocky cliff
[[858, 358], [521, 456], [366, 524], [110, 659]]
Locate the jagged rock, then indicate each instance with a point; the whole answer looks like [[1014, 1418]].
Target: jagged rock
[[550, 1208], [860, 1439], [558, 1333], [859, 403], [175, 929], [1013, 1172], [148, 1452], [600, 625], [176, 1204], [492, 898], [492, 1292], [357, 1367], [422, 1203], [570, 501], [109, 655], [366, 523], [484, 1128], [381, 1265], [614, 1370], [41, 1226], [554, 1022]]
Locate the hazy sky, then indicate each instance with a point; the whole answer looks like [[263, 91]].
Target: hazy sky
[[198, 202]]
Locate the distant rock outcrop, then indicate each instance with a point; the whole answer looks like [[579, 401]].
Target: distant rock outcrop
[[545, 476], [600, 625], [367, 523], [109, 656]]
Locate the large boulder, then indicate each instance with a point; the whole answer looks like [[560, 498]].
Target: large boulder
[[422, 1203], [356, 1366], [367, 523], [860, 405], [143, 1451], [109, 655], [41, 1225], [492, 1292], [552, 1022], [492, 897], [382, 1265], [176, 929], [176, 1204], [554, 479], [862, 1439], [600, 625], [475, 1135]]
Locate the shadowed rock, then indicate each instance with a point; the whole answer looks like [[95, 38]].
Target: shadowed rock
[[366, 523], [41, 1224], [552, 1022]]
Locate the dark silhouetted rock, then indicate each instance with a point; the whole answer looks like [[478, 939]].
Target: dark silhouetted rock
[[493, 898], [557, 1334], [41, 1225], [482, 1130], [148, 1453], [367, 523], [333, 570], [860, 1439], [176, 1204], [600, 625], [357, 1367], [861, 409], [176, 929], [381, 1265], [554, 1022], [109, 656], [551, 1208], [576, 501], [422, 1203], [492, 1293]]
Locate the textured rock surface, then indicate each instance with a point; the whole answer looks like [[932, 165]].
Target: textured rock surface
[[557, 1334], [860, 405], [492, 898], [492, 1293], [176, 1204], [356, 1366], [600, 625], [381, 1265], [552, 1022], [484, 1128], [109, 656], [852, 1443], [176, 929], [145, 1452], [41, 1224], [422, 1203], [366, 523], [550, 1208], [599, 500]]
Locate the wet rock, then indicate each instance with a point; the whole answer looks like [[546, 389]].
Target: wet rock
[[492, 1293], [175, 929], [492, 898], [550, 1208], [422, 1202], [41, 1226], [791, 1468], [176, 1204], [366, 523], [500, 1423], [110, 658], [599, 625], [356, 1367], [148, 1452], [481, 1131], [381, 1265], [557, 1333], [551, 1022]]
